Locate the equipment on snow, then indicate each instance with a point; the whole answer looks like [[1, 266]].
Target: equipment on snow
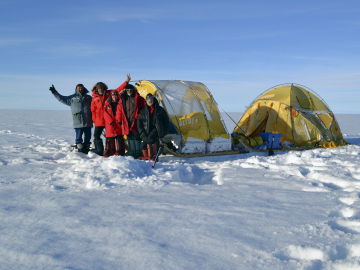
[[161, 147], [271, 151]]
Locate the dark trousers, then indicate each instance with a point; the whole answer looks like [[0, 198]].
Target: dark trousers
[[79, 135], [133, 136], [134, 144], [97, 132], [114, 146]]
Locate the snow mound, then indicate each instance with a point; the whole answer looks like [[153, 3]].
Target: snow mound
[[347, 266], [305, 253], [95, 172]]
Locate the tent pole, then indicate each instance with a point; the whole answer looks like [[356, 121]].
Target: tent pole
[[231, 118]]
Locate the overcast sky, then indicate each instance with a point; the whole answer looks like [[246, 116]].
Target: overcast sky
[[237, 48]]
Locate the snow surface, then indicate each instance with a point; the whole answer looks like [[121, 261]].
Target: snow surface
[[65, 210]]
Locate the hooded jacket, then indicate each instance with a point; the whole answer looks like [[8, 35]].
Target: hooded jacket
[[121, 115], [80, 107], [152, 127], [112, 128], [98, 102]]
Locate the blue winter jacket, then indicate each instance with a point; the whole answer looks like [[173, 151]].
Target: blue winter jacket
[[80, 107]]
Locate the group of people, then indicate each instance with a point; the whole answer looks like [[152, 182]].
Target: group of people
[[122, 113]]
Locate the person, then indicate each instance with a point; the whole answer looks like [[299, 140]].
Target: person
[[80, 103], [115, 144], [101, 94], [152, 126], [128, 109]]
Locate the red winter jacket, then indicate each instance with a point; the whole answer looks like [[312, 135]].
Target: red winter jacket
[[112, 128], [121, 116], [98, 102]]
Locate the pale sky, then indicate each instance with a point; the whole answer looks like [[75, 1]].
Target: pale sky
[[236, 48]]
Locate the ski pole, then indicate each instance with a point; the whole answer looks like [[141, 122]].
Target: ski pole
[[157, 156]]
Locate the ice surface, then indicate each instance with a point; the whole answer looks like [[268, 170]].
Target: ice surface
[[65, 210]]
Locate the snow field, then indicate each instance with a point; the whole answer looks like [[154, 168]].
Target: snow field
[[66, 210]]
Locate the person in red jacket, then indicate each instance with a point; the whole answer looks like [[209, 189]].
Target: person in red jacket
[[115, 144], [130, 104], [100, 94]]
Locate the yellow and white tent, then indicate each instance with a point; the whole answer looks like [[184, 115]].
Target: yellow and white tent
[[303, 118], [193, 112]]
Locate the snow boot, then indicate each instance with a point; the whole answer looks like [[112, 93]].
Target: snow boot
[[83, 147], [145, 155], [79, 147], [86, 148]]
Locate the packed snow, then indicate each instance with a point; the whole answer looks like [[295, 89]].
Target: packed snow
[[66, 210]]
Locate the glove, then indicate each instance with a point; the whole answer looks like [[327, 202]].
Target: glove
[[52, 88]]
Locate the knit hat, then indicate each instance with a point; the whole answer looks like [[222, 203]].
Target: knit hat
[[130, 87], [101, 85]]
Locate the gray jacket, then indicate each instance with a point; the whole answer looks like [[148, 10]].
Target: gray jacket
[[80, 107]]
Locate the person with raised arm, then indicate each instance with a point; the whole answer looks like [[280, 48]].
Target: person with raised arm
[[80, 103], [101, 94]]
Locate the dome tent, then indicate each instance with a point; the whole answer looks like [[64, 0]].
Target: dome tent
[[196, 122], [303, 118]]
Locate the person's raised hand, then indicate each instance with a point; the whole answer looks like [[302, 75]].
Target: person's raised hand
[[52, 88], [128, 77]]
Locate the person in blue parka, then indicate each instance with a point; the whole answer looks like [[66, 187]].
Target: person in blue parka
[[80, 104]]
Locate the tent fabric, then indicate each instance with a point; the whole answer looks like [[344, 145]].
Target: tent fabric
[[303, 119], [190, 106]]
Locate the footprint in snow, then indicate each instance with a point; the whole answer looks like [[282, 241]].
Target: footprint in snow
[[349, 200], [354, 250], [346, 226], [307, 257], [347, 212]]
